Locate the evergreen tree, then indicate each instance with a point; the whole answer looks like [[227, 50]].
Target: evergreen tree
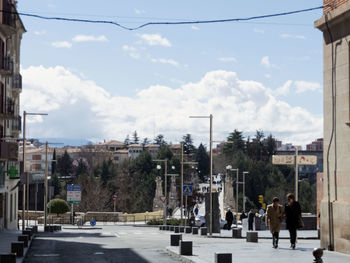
[[105, 173], [145, 142], [159, 140], [55, 182], [188, 144], [127, 140], [65, 166], [135, 138], [54, 162], [203, 160], [235, 143]]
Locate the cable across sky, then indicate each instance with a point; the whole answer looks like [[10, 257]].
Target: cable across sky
[[169, 22]]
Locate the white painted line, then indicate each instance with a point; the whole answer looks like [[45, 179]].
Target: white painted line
[[116, 234], [98, 253], [46, 255]]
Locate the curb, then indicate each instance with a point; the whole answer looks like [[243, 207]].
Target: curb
[[186, 259], [83, 228], [22, 259]]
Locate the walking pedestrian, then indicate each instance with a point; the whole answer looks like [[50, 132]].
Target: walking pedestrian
[[229, 219], [293, 218], [251, 216], [274, 217]]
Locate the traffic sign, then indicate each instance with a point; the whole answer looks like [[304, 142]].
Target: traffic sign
[[290, 159], [73, 194], [114, 198], [187, 190], [307, 159], [162, 198], [92, 222]]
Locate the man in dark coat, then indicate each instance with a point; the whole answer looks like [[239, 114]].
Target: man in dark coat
[[293, 218], [251, 216], [229, 219]]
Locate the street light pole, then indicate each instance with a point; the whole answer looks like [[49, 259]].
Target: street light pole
[[237, 182], [296, 174], [165, 186], [211, 170], [244, 173], [182, 181]]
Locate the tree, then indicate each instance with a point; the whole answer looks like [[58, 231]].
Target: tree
[[55, 182], [135, 138], [80, 167], [270, 145], [105, 173], [235, 143], [159, 140], [58, 206], [188, 144], [145, 142], [127, 140], [54, 162], [203, 160], [64, 166]]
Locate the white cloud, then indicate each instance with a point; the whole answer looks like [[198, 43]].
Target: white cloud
[[81, 109], [265, 61], [259, 30], [155, 40], [292, 36], [132, 51], [61, 44], [89, 38], [165, 61], [40, 33], [298, 86], [139, 11], [227, 59], [195, 28]]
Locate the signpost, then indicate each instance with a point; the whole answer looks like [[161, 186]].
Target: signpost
[[295, 160], [114, 198], [187, 191], [73, 197]]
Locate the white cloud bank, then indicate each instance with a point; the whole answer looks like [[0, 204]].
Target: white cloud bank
[[298, 86], [61, 44], [80, 109], [89, 38], [165, 61], [155, 40]]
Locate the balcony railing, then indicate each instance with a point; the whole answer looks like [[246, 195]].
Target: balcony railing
[[9, 151], [8, 108], [17, 82], [17, 124], [6, 64]]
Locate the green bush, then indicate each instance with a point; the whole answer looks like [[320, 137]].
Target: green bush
[[58, 206]]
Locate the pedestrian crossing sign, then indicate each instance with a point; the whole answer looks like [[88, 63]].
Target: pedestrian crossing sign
[[187, 190]]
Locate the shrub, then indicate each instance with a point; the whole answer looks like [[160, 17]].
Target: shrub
[[58, 206]]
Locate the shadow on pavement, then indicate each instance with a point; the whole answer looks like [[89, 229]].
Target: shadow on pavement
[[56, 250]]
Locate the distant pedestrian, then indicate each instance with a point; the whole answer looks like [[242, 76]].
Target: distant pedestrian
[[274, 217], [243, 216], [293, 218], [229, 219], [251, 216]]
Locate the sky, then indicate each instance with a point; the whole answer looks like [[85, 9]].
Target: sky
[[101, 82]]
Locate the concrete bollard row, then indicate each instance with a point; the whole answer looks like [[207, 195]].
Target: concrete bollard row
[[195, 230], [52, 228], [237, 232], [252, 237], [223, 258], [204, 231], [24, 239], [172, 228], [177, 229], [185, 248], [188, 230], [182, 229], [27, 233]]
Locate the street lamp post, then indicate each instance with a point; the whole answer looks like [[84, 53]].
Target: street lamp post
[[210, 117], [24, 166], [165, 186], [229, 167], [244, 173]]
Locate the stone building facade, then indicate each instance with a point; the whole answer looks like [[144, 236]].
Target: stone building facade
[[335, 205], [11, 30]]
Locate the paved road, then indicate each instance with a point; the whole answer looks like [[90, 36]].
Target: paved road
[[110, 244]]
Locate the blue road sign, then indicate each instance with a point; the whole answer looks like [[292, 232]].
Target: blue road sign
[[73, 187], [92, 222], [187, 190]]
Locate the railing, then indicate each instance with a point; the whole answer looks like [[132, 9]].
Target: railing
[[9, 151], [17, 82], [6, 64], [17, 124], [8, 108]]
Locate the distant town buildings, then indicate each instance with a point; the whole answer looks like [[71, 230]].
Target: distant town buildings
[[11, 31]]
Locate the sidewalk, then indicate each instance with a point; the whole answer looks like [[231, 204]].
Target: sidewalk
[[8, 236], [204, 250], [265, 234]]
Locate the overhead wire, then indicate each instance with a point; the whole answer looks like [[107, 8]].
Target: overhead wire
[[147, 24]]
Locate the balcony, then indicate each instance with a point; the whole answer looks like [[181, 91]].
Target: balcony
[[17, 124], [17, 82], [6, 65], [7, 109], [9, 151], [8, 18]]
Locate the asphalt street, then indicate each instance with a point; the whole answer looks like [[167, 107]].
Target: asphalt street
[[109, 244]]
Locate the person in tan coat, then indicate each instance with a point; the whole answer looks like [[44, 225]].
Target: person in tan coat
[[274, 217]]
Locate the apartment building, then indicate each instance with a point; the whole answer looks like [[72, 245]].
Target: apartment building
[[11, 30]]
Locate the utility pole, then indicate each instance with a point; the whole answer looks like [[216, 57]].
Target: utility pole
[[46, 184], [182, 180], [244, 173], [237, 182]]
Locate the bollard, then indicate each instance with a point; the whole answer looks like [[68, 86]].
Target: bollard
[[185, 248], [237, 232], [8, 258], [167, 228], [223, 258], [17, 248], [35, 229], [318, 253], [204, 231], [252, 237], [195, 230], [24, 239], [188, 230], [182, 229], [177, 229], [160, 227], [175, 239], [172, 228], [28, 233]]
